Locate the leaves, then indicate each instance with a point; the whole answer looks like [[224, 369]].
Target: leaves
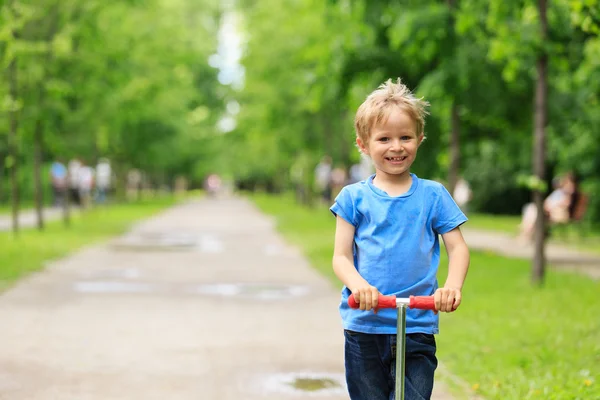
[[112, 79]]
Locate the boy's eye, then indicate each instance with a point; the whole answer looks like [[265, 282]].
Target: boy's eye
[[384, 139], [405, 138]]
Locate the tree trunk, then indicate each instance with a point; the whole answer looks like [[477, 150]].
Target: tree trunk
[[539, 150], [454, 164], [37, 175], [13, 150], [38, 139], [66, 205], [454, 167], [2, 172], [327, 136]]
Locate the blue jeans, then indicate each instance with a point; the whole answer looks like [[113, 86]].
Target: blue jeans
[[371, 366]]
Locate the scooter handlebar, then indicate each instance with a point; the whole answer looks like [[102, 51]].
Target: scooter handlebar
[[418, 302], [422, 302]]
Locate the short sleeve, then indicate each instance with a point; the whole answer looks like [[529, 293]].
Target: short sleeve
[[344, 207], [447, 214]]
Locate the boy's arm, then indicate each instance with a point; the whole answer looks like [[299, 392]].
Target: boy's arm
[[343, 266], [449, 297]]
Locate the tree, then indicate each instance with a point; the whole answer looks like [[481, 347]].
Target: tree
[[539, 148]]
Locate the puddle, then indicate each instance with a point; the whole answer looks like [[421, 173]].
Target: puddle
[[307, 384], [149, 241], [124, 273], [312, 384], [112, 287], [253, 290], [210, 244], [157, 240]]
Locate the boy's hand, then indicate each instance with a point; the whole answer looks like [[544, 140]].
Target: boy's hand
[[366, 296], [447, 299]]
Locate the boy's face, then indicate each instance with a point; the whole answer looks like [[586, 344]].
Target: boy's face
[[393, 145]]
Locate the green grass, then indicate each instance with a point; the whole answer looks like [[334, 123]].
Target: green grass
[[32, 249], [6, 208], [509, 340], [502, 223]]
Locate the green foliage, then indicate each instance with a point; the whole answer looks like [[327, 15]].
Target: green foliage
[[131, 81], [478, 56], [26, 184], [117, 80]]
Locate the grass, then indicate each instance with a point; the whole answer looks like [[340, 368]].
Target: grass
[[6, 208], [509, 340], [501, 223], [32, 249]]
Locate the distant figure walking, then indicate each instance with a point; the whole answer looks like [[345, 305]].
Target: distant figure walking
[[323, 179], [103, 180], [58, 176], [134, 181], [73, 180], [462, 194], [361, 171], [86, 184]]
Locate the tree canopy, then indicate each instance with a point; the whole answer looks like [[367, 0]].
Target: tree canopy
[[132, 81]]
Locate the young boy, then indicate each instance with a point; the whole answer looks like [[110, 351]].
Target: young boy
[[386, 241]]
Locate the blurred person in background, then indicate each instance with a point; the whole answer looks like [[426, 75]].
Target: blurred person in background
[[58, 176], [338, 180], [86, 184], [462, 194], [73, 180], [103, 180], [134, 181], [181, 185], [559, 206], [361, 170], [323, 179], [212, 184]]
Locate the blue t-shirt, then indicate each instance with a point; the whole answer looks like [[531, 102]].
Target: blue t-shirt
[[396, 248], [58, 170]]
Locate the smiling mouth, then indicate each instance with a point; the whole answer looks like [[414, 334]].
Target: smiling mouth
[[396, 159]]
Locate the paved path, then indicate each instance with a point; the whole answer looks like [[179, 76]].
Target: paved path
[[561, 257], [558, 256], [124, 321]]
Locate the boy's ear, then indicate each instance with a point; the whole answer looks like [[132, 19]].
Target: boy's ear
[[420, 139], [362, 146]]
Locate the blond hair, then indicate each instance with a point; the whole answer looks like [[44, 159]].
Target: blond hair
[[379, 104]]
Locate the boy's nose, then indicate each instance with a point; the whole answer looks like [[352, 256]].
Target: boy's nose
[[396, 144]]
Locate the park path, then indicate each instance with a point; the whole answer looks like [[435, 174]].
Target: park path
[[203, 301], [559, 256]]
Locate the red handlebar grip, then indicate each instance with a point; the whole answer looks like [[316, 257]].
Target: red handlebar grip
[[382, 302], [351, 302], [422, 302], [386, 302]]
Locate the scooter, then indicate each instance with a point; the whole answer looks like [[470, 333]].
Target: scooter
[[401, 303]]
